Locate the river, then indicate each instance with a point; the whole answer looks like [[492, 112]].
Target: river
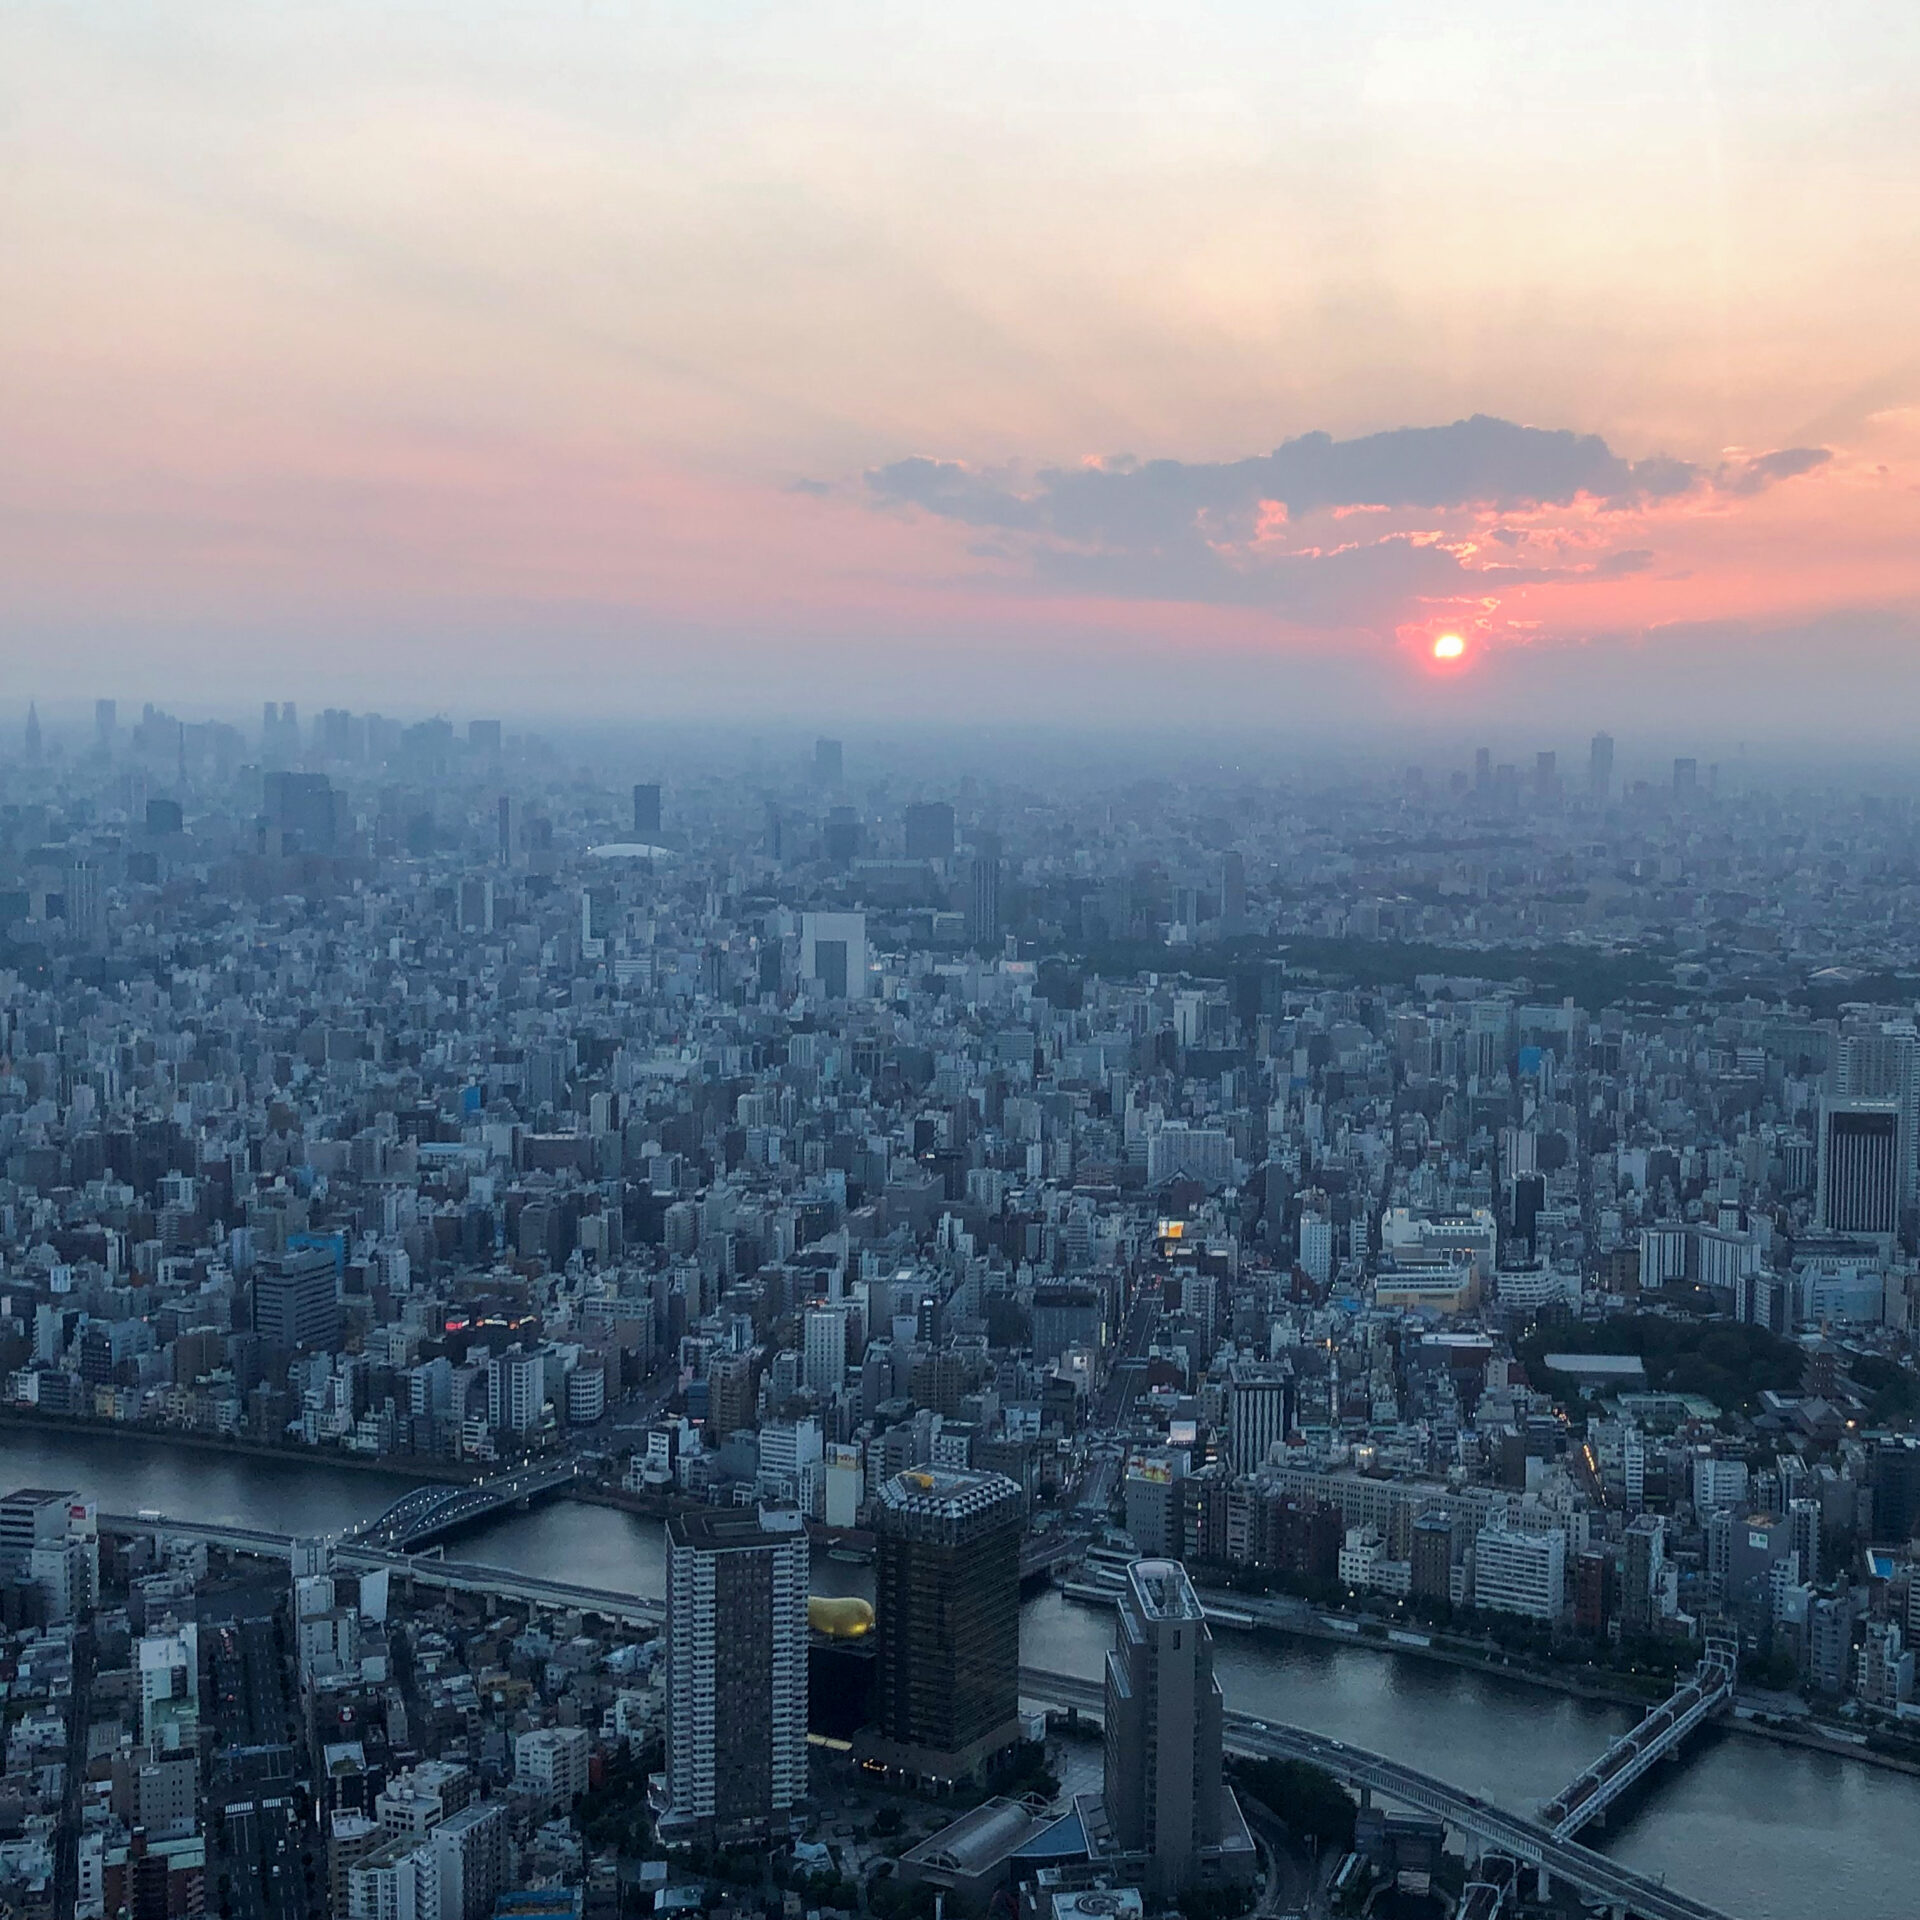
[[1763, 1832]]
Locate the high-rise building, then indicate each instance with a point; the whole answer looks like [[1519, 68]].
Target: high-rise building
[[516, 1390], [736, 1668], [1517, 1570], [51, 1541], [646, 810], [828, 762], [471, 1851], [300, 807], [1600, 766], [1858, 1185], [1881, 1062], [733, 1388], [169, 1665], [929, 830], [1642, 1565], [503, 851], [106, 721], [1259, 1402], [1436, 1555], [1896, 1490], [397, 1880], [296, 1301], [983, 891], [833, 951], [1233, 891], [826, 1349], [947, 1582], [1165, 1798]]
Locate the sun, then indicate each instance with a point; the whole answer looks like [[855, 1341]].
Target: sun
[[1449, 646]]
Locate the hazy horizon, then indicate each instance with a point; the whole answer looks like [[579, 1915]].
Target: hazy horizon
[[860, 364]]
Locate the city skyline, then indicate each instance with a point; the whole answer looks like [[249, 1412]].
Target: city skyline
[[1125, 373]]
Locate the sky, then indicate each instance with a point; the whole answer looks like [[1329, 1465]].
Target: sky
[[1097, 365]]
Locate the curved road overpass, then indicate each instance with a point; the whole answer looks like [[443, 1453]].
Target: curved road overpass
[[1592, 1874]]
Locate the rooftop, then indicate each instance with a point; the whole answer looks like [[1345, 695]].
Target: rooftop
[[1163, 1591], [733, 1529]]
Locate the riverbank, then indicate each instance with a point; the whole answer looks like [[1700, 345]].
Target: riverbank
[[439, 1472], [1612, 1690]]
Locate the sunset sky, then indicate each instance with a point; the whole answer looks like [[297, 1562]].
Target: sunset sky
[[1070, 362]]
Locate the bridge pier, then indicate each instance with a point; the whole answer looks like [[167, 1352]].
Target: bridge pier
[[1542, 1884]]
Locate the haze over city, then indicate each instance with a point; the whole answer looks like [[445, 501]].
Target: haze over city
[[959, 963], [863, 362]]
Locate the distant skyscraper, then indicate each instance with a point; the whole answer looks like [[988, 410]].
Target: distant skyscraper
[[504, 852], [1482, 769], [106, 721], [1859, 1180], [1233, 891], [843, 836], [828, 762], [1686, 778], [947, 1583], [32, 736], [1164, 1712], [83, 898], [983, 891], [646, 810], [929, 830], [736, 1668], [300, 806], [1600, 766]]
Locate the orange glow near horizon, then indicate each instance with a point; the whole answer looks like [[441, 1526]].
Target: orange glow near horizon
[[1449, 646]]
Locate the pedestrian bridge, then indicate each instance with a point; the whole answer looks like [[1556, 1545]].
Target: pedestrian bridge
[[1696, 1699]]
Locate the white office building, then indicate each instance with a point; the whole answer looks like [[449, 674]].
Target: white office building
[[1516, 1571], [833, 953], [1180, 1151], [826, 1349]]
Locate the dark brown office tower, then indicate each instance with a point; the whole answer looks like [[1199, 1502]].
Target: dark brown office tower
[[948, 1585], [1433, 1556], [733, 1389]]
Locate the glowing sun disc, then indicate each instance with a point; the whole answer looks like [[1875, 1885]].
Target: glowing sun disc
[[1449, 646]]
